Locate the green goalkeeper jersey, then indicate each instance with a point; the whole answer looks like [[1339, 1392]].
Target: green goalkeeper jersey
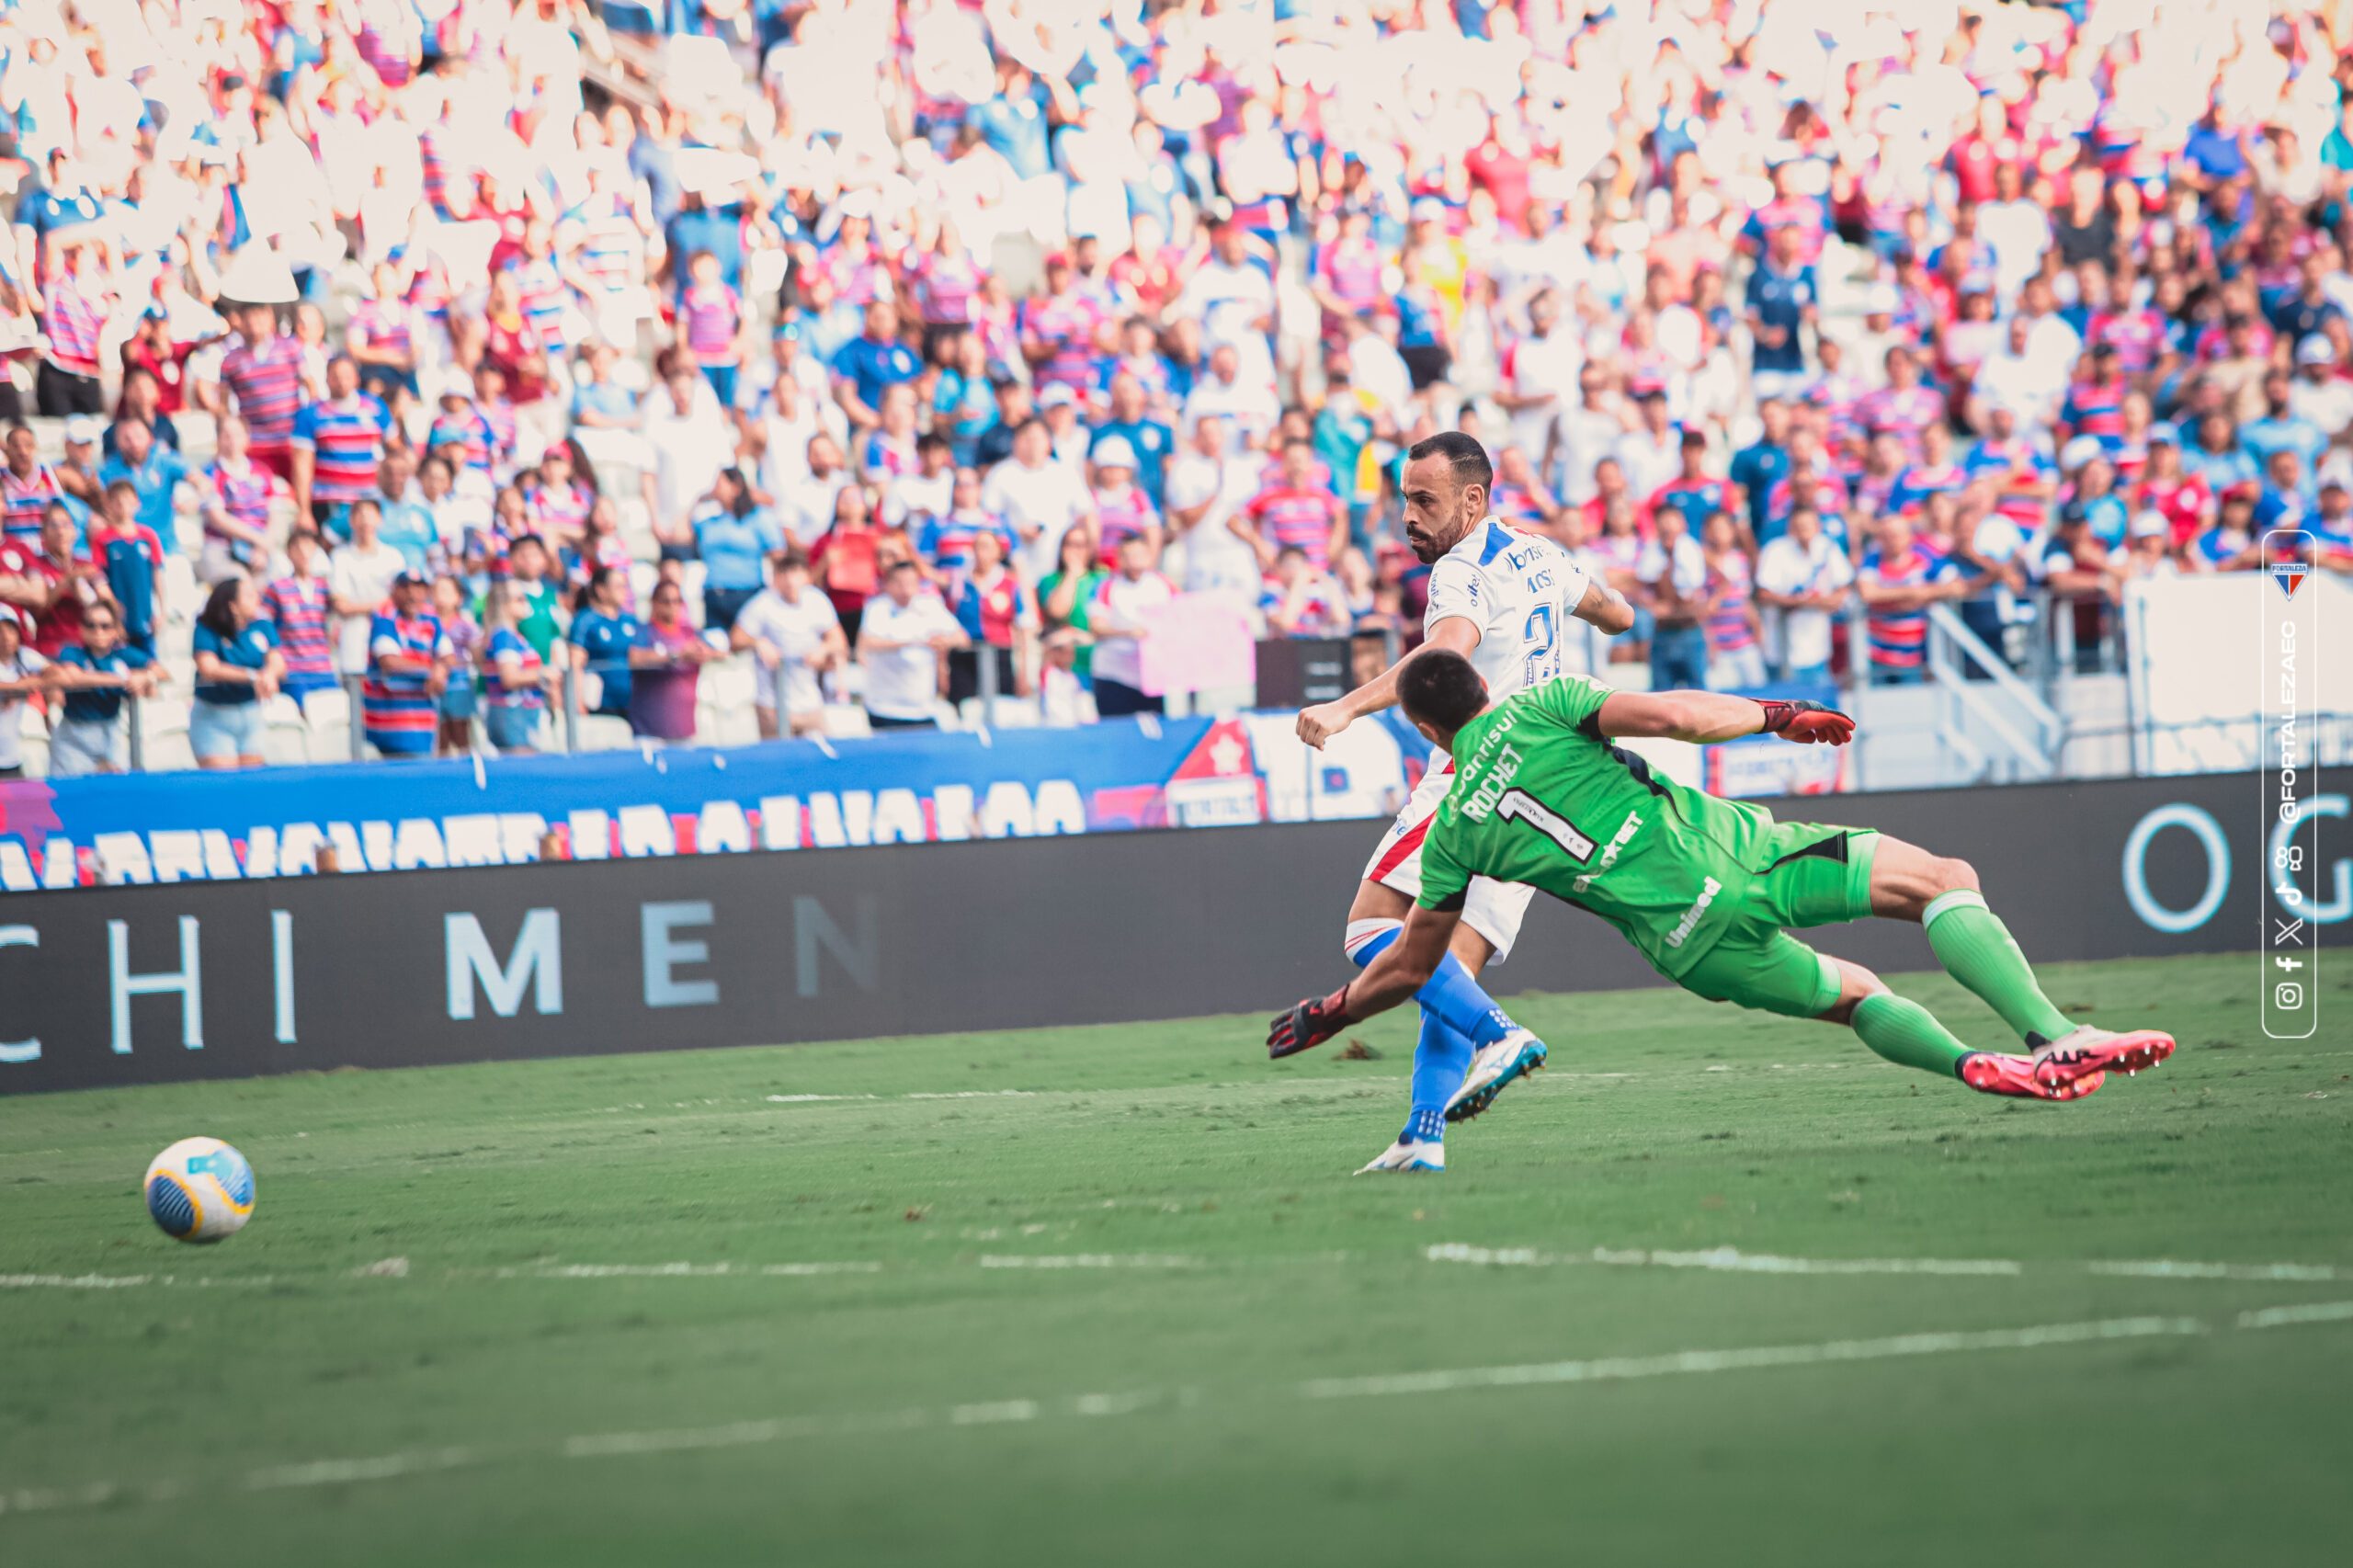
[[1541, 797]]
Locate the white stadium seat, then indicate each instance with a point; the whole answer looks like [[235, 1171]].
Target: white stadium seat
[[602, 731], [33, 739], [846, 721], [162, 729], [286, 739]]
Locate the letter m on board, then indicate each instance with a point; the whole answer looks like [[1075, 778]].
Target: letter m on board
[[537, 961]]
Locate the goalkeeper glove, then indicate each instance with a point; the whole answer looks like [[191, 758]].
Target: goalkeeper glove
[[1803, 723], [1310, 1023]]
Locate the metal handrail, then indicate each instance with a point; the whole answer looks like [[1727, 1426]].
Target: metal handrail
[[1946, 620], [1950, 686], [1949, 737]]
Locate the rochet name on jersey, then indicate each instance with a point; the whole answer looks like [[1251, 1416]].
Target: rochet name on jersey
[[1519, 590]]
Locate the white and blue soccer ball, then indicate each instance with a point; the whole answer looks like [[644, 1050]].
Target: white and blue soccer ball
[[201, 1189]]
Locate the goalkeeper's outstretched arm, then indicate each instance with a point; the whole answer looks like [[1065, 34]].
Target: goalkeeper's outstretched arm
[[1703, 717], [1400, 971]]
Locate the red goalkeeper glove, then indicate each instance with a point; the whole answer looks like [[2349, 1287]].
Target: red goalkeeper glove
[[1309, 1024], [1804, 724]]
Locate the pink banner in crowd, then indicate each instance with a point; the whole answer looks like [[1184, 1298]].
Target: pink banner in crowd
[[1198, 642]]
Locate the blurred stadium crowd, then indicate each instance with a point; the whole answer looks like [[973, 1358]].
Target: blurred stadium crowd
[[726, 370]]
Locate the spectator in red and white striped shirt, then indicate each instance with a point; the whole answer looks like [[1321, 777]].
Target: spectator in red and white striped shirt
[[79, 302], [1295, 510]]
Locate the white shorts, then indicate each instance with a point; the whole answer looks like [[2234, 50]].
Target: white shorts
[[1491, 908]]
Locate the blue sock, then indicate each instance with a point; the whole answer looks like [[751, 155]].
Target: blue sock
[[1441, 1058], [1457, 1018], [1454, 995]]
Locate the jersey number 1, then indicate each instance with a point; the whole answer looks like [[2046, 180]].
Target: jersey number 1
[[1519, 805]]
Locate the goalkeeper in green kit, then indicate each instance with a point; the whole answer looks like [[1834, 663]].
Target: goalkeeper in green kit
[[1706, 888]]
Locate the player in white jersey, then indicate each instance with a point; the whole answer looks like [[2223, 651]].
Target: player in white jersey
[[1502, 600]]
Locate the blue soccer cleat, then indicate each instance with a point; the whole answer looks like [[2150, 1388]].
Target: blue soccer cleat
[[1492, 1070]]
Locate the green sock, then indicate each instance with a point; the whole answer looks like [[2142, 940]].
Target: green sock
[[1978, 951], [1908, 1034]]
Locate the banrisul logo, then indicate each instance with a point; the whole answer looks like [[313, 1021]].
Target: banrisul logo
[[2290, 575]]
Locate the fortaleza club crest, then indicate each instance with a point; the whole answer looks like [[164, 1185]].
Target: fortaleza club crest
[[2288, 574]]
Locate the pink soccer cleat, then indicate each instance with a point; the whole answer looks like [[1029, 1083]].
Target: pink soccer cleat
[[2084, 1051], [1990, 1073]]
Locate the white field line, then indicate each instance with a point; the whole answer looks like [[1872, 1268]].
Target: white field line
[[2311, 1311], [607, 1445], [1088, 1260], [2170, 1268], [683, 1270], [124, 1281], [1285, 1085], [1625, 1367], [328, 1472], [1731, 1260], [1721, 1259]]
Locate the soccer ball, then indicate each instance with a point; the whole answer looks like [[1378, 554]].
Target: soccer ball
[[201, 1189]]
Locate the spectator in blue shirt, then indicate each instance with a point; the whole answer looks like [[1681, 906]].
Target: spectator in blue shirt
[[1782, 301], [2282, 430], [604, 638], [653, 157], [405, 523], [864, 365], [1149, 439], [96, 672], [142, 398], [238, 668], [1757, 469], [60, 202], [152, 470], [732, 534], [599, 403], [2095, 495], [2213, 154], [699, 226], [2287, 493], [2216, 455], [1014, 123]]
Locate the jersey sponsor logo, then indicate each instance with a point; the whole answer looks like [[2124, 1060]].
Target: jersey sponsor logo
[[1519, 805], [1491, 789], [1485, 794], [1683, 927], [1609, 851]]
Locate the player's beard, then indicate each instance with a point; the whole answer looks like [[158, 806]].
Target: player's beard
[[1428, 547]]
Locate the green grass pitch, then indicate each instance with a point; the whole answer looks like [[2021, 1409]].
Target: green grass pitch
[[1112, 1297]]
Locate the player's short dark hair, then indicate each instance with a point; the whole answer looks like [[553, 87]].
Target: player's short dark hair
[[1463, 453], [1439, 688]]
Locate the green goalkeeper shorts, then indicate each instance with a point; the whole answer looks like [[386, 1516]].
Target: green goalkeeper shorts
[[1807, 875]]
